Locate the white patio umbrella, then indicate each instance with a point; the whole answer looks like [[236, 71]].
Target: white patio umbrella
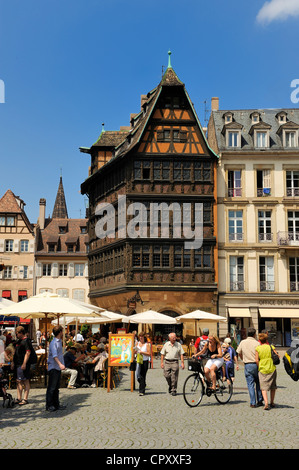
[[5, 303], [199, 315], [150, 317], [49, 305], [106, 317]]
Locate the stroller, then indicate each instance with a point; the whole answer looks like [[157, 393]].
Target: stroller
[[8, 400]]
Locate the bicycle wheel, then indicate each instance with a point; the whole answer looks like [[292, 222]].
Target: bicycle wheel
[[193, 390], [224, 391]]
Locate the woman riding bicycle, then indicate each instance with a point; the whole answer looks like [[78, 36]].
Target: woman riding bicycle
[[215, 360]]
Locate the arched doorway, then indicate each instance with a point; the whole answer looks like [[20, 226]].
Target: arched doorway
[[164, 330]]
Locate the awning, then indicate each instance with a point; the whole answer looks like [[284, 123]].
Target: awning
[[22, 292], [6, 293], [279, 312], [239, 312]]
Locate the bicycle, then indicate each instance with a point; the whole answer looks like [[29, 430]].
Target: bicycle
[[196, 386]]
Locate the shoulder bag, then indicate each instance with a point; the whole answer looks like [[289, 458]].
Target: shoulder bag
[[274, 356]]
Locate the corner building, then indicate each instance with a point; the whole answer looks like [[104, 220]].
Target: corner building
[[258, 219], [163, 157]]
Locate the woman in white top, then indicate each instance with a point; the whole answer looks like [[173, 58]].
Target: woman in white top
[[143, 356]]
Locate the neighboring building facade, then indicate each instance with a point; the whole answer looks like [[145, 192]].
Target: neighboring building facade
[[258, 218], [61, 252], [16, 249], [163, 157]]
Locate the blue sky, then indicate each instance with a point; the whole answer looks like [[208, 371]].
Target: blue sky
[[70, 65]]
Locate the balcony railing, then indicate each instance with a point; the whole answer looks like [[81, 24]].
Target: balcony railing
[[265, 237], [235, 237], [263, 192], [234, 192], [294, 286], [267, 286], [292, 192], [237, 286], [288, 238]]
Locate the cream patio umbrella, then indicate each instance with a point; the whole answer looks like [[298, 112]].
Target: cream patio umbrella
[[150, 317], [49, 305], [199, 315]]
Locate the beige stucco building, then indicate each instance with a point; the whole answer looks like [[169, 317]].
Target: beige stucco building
[[61, 264], [16, 249], [258, 219]]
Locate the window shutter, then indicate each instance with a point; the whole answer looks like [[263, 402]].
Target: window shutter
[[17, 272], [1, 245], [16, 246], [71, 270], [266, 179], [30, 272], [31, 246], [86, 270], [39, 270], [54, 270]]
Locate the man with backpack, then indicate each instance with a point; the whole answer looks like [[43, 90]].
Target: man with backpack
[[291, 360]]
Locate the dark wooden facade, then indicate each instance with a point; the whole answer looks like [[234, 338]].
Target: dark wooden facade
[[162, 157]]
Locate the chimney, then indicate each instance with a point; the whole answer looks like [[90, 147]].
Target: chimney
[[215, 104], [42, 213]]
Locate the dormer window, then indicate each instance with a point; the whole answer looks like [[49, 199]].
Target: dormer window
[[261, 139], [233, 138], [228, 117], [281, 117], [291, 139], [255, 118]]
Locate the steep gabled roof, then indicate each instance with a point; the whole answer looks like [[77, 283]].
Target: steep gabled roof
[[60, 209], [9, 204]]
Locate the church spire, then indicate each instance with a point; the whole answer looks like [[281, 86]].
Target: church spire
[[60, 209]]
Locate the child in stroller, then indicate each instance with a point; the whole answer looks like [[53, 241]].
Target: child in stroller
[[8, 401]]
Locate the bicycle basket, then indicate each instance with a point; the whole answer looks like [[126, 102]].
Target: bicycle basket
[[194, 364]]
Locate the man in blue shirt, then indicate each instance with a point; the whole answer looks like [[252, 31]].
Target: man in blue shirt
[[55, 366]]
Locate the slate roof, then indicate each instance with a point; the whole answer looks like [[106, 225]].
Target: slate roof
[[242, 117]]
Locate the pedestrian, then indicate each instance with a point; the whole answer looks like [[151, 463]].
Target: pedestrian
[[199, 345], [172, 352], [231, 362], [38, 336], [213, 352], [143, 350], [246, 351], [79, 338], [70, 367], [21, 365], [55, 366], [267, 370]]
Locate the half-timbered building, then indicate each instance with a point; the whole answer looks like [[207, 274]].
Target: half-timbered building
[[163, 157]]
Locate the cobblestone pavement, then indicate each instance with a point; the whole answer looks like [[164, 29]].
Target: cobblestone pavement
[[121, 419]]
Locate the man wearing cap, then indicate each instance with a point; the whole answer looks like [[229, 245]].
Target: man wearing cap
[[172, 352], [246, 351]]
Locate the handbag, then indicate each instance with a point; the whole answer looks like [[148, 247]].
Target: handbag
[[274, 356], [133, 366], [139, 358]]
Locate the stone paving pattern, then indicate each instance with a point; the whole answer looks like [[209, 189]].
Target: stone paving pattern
[[121, 419]]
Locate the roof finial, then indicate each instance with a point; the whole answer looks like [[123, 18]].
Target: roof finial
[[103, 124], [169, 61]]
